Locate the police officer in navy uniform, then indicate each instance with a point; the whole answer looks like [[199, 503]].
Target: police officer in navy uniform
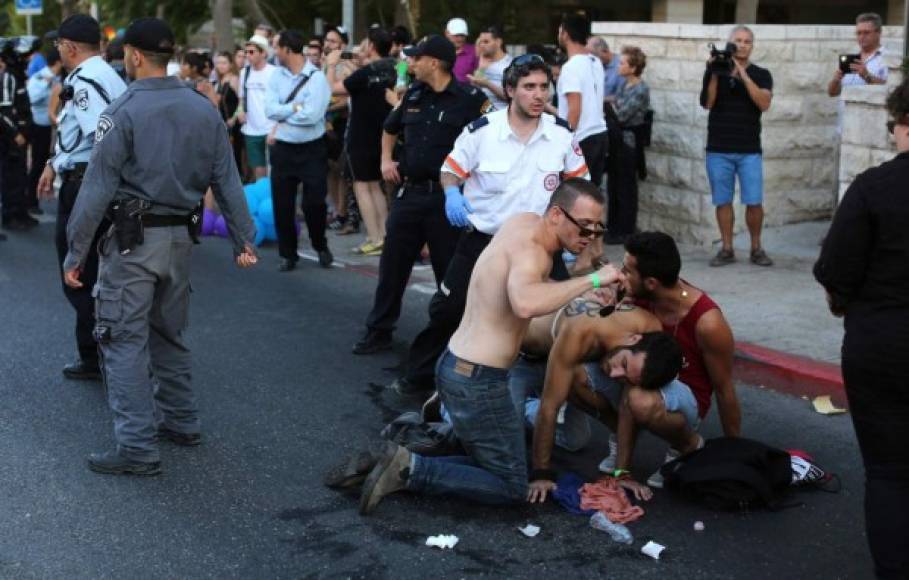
[[15, 125], [158, 148], [431, 116], [88, 89]]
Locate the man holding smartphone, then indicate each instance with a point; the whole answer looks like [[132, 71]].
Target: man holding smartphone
[[870, 69]]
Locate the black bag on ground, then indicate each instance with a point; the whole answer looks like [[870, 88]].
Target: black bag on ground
[[732, 473], [430, 439]]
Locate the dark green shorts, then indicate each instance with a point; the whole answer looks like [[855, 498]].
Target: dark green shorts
[[255, 150]]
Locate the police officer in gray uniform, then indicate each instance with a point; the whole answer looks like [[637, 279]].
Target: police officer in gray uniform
[[157, 149], [88, 89]]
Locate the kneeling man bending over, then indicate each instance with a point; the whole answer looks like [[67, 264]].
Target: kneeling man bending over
[[509, 286]]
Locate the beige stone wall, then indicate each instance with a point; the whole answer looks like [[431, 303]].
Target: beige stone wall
[[799, 131], [865, 142]]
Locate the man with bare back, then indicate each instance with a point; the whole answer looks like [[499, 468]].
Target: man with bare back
[[509, 286], [594, 352]]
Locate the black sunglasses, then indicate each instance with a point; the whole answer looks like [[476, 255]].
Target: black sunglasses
[[584, 231], [527, 59]]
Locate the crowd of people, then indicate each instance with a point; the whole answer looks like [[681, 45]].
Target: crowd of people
[[508, 172]]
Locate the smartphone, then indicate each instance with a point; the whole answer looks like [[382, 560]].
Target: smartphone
[[846, 60], [347, 55]]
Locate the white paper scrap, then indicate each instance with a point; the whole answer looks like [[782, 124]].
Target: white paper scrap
[[653, 550], [442, 541], [530, 530]]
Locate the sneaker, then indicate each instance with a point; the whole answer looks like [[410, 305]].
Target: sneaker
[[337, 223], [722, 258], [656, 480], [388, 476], [373, 342], [112, 463], [760, 258], [363, 248], [608, 464], [376, 250]]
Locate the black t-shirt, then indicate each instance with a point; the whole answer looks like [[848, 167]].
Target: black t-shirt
[[431, 122], [734, 123], [368, 107]]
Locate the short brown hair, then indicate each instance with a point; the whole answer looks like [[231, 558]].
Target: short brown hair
[[898, 102], [637, 60]]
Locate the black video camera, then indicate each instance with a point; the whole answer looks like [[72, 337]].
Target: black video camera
[[721, 64]]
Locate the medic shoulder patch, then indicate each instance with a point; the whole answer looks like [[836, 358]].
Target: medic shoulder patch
[[105, 124], [480, 122], [80, 99]]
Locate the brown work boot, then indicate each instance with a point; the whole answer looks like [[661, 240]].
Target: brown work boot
[[388, 476]]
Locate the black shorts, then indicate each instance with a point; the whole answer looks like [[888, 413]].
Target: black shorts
[[364, 165]]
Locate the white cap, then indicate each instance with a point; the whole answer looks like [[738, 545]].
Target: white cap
[[457, 26], [259, 41]]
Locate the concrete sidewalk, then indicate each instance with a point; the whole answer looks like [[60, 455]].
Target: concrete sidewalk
[[786, 338]]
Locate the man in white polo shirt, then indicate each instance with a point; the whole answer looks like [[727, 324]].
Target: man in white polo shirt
[[508, 162], [580, 90], [253, 87], [871, 68]]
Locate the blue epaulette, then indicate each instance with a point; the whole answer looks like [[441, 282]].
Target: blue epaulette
[[562, 122], [479, 122]]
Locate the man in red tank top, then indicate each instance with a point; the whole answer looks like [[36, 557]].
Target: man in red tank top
[[652, 264]]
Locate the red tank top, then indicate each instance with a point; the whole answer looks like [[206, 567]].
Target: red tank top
[[694, 371]]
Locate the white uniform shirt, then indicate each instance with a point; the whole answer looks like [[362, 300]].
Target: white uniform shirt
[[584, 74], [254, 90], [505, 177]]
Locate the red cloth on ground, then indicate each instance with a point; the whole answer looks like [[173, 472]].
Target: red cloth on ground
[[607, 497]]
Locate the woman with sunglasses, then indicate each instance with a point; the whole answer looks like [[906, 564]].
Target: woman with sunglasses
[[864, 267]]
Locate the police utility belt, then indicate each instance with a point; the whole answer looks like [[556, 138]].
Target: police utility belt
[[130, 217], [74, 174]]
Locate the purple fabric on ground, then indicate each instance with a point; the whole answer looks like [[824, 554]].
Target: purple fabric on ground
[[568, 494]]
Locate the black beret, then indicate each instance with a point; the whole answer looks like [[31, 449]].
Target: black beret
[[150, 34], [80, 28]]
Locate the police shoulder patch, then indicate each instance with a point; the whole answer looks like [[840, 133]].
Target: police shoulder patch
[[478, 123], [105, 124], [562, 122], [80, 99]]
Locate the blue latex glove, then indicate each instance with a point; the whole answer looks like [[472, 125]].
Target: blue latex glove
[[456, 207]]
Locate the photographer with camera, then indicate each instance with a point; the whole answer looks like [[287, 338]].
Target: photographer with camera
[[867, 67], [736, 92]]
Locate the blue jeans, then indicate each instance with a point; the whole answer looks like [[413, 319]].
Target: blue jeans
[[722, 169], [526, 381], [485, 421]]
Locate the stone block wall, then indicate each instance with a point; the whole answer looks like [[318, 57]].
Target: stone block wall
[[800, 131], [865, 142]]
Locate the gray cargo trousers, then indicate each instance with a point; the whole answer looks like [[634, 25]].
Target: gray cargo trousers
[[143, 299]]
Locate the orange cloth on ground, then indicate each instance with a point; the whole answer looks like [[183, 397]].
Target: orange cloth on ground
[[607, 497]]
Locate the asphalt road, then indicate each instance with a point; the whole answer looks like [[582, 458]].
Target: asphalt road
[[282, 400]]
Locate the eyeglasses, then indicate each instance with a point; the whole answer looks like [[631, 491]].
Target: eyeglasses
[[583, 230], [253, 51]]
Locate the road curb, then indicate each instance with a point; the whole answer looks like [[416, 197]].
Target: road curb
[[787, 373]]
